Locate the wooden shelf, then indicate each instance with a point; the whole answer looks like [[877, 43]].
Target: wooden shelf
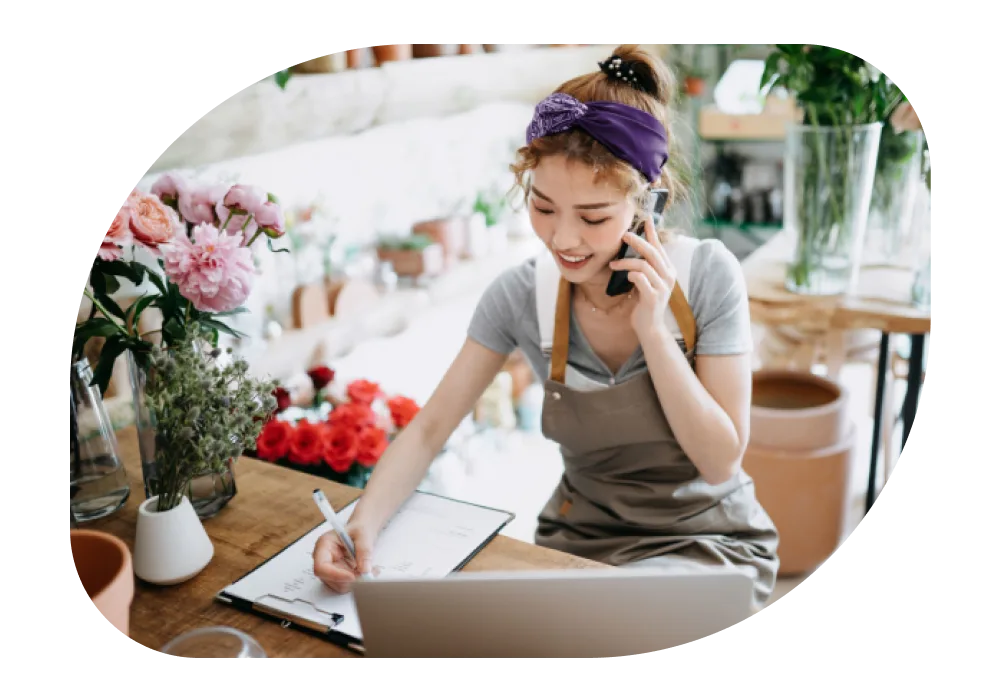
[[714, 125]]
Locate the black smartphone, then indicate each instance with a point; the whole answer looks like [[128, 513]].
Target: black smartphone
[[619, 283]]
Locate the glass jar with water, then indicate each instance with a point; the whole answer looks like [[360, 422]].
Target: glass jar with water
[[98, 482]]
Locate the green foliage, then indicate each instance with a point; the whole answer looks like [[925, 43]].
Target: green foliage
[[491, 208], [282, 77], [417, 241], [206, 415]]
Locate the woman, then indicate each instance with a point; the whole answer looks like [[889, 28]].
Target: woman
[[647, 395]]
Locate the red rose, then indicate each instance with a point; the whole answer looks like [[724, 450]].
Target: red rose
[[403, 410], [352, 415], [363, 391], [371, 444], [307, 444], [340, 447], [274, 440], [283, 398], [320, 376]]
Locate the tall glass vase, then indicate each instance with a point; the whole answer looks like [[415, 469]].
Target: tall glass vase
[[210, 491], [98, 484], [892, 237], [829, 172]]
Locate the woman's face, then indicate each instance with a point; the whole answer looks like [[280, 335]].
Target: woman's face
[[581, 220]]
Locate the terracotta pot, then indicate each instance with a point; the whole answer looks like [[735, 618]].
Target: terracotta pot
[[414, 263], [796, 411], [354, 58], [434, 50], [105, 568], [806, 494], [694, 87], [449, 233], [392, 52]]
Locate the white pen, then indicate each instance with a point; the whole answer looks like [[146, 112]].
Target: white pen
[[331, 517]]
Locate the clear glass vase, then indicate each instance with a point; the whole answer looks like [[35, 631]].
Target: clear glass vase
[[892, 238], [98, 482], [829, 172], [210, 491]]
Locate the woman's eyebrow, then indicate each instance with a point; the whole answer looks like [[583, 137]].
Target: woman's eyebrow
[[596, 205]]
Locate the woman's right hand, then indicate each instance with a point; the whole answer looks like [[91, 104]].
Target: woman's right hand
[[332, 561]]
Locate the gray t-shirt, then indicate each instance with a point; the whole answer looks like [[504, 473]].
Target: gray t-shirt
[[507, 318]]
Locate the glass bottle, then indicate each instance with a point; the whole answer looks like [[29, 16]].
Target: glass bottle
[[98, 481]]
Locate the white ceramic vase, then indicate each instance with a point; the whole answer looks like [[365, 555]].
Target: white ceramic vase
[[170, 547]]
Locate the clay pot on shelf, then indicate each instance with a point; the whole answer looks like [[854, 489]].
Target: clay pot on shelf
[[434, 50], [414, 262], [333, 63], [392, 52], [802, 443], [105, 568], [450, 233], [694, 86]]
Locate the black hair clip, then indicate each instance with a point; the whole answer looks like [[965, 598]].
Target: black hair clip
[[616, 69]]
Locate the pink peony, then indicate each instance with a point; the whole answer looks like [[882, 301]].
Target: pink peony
[[213, 270], [118, 236], [197, 205], [169, 187], [153, 223], [271, 218], [242, 201]]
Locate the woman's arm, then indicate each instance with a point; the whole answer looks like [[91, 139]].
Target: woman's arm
[[708, 409], [406, 460]]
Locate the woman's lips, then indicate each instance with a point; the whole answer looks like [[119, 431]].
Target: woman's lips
[[573, 262]]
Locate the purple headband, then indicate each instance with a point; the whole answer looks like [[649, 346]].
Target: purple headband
[[631, 134]]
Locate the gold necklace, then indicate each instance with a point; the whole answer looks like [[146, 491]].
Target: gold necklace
[[608, 310]]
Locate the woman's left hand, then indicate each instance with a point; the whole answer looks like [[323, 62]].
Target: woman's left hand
[[653, 276]]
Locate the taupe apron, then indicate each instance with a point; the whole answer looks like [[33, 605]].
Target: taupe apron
[[629, 492]]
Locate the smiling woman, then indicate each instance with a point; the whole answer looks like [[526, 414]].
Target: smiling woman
[[647, 392]]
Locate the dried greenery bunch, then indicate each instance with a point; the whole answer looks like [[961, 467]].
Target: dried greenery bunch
[[207, 413]]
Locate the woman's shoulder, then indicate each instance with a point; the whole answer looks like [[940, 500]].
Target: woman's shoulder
[[712, 265]]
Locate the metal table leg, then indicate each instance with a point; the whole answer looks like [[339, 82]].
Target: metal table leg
[[883, 365], [914, 380]]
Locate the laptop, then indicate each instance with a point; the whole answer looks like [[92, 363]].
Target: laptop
[[553, 614]]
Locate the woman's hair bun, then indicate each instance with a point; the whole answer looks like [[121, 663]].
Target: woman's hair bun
[[638, 69]]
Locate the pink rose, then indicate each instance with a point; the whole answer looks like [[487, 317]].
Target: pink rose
[[213, 271], [271, 218], [152, 223], [197, 204], [241, 201], [118, 236], [169, 187]]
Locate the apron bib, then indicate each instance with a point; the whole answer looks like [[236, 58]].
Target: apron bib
[[628, 491]]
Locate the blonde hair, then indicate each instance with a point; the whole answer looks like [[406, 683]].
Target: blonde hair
[[653, 93]]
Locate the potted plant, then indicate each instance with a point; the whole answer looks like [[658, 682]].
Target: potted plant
[[188, 249], [207, 413], [829, 159], [447, 231], [342, 445], [412, 256], [392, 52]]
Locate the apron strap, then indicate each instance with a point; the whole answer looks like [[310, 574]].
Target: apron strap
[[685, 318], [560, 340]]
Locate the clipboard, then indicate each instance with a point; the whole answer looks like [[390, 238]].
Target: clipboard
[[342, 627]]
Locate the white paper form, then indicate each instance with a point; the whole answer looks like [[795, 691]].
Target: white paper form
[[429, 537]]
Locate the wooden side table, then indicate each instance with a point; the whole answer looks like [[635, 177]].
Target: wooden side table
[[880, 302]]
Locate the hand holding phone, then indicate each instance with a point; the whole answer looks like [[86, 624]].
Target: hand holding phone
[[619, 283]]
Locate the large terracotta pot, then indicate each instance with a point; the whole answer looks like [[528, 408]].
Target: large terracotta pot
[[796, 411], [802, 443], [105, 568], [806, 494], [450, 233]]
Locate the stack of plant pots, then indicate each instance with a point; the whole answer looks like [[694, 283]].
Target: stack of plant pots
[[802, 442]]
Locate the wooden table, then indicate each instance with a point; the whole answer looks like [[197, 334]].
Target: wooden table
[[881, 301], [272, 508]]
